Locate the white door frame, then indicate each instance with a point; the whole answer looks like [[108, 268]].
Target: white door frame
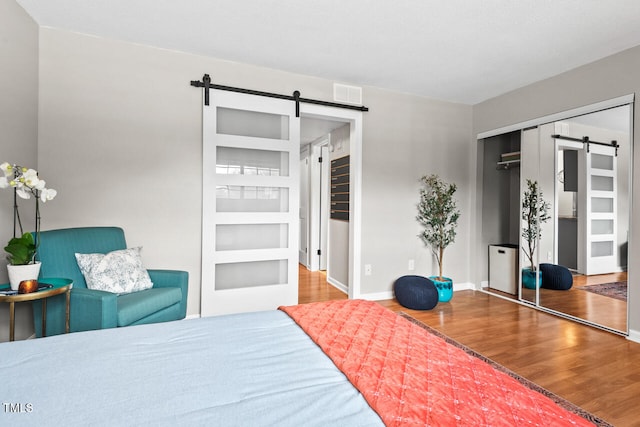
[[354, 118]]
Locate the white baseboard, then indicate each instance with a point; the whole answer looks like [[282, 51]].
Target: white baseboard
[[389, 294], [463, 286], [634, 336], [192, 316], [337, 284], [377, 296]]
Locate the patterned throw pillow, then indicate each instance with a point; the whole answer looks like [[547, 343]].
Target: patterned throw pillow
[[120, 272]]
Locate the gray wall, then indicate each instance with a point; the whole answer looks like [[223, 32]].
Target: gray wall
[[18, 131], [406, 137], [608, 78], [120, 137]]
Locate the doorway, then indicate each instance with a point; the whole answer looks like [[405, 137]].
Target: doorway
[[332, 133], [321, 239]]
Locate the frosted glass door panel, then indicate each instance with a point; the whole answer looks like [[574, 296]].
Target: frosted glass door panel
[[601, 249], [601, 183], [602, 226], [236, 237], [232, 198], [251, 274], [252, 123], [601, 205], [242, 161], [598, 161]]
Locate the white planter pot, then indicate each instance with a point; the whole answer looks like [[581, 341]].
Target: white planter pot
[[18, 273]]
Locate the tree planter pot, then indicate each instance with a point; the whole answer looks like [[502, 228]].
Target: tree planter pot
[[18, 273], [529, 279], [445, 288]]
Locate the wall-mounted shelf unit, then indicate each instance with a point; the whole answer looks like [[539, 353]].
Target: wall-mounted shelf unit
[[340, 176]]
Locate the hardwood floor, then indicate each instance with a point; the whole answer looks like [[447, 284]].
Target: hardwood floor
[[313, 287], [596, 370]]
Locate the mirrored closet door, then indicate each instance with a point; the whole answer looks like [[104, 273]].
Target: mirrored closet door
[[574, 230]]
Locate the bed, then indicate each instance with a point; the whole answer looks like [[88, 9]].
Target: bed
[[339, 363]]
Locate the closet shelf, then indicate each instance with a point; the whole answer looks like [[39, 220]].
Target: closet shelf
[[509, 164]]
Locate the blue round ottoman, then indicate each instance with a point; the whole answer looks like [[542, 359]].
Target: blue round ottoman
[[416, 292], [556, 277]]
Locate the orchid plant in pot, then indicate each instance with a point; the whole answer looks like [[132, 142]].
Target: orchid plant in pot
[[438, 214], [22, 248]]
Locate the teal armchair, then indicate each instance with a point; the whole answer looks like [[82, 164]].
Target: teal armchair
[[94, 309]]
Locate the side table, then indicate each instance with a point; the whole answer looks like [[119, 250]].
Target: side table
[[59, 286]]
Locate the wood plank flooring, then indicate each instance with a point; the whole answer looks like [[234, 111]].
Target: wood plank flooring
[[596, 370]]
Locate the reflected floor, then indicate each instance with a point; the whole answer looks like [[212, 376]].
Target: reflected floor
[[599, 309]]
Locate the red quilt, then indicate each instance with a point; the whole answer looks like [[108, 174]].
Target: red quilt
[[412, 377]]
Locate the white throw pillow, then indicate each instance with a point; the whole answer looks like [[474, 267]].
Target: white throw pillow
[[120, 272]]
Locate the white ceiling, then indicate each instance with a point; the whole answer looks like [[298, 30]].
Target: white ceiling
[[462, 51]]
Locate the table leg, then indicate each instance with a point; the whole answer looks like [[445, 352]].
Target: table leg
[[12, 321], [66, 323], [44, 317]]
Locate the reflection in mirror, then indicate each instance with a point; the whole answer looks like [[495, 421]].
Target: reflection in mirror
[[590, 191], [582, 251], [535, 214]]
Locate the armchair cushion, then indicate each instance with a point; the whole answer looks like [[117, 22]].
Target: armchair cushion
[[137, 305], [120, 272]]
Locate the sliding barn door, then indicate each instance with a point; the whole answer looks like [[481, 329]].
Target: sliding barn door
[[250, 203], [601, 225]]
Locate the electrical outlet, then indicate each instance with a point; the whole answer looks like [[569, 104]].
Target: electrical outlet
[[367, 269], [412, 265]]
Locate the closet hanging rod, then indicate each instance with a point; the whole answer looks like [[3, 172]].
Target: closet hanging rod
[[206, 84], [586, 140]]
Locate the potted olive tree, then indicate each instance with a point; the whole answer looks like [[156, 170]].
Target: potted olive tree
[[438, 214], [535, 212]]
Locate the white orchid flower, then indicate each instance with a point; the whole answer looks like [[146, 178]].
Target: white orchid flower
[[47, 194], [24, 194], [25, 183], [31, 179], [7, 168], [40, 185]]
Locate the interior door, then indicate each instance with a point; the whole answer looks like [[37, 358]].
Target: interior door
[[250, 203], [600, 226]]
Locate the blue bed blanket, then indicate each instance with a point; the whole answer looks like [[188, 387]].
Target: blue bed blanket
[[253, 369]]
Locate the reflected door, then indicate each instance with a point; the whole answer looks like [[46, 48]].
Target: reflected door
[[250, 204], [600, 225]]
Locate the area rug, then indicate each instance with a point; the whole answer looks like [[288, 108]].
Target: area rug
[[617, 290], [525, 382]]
